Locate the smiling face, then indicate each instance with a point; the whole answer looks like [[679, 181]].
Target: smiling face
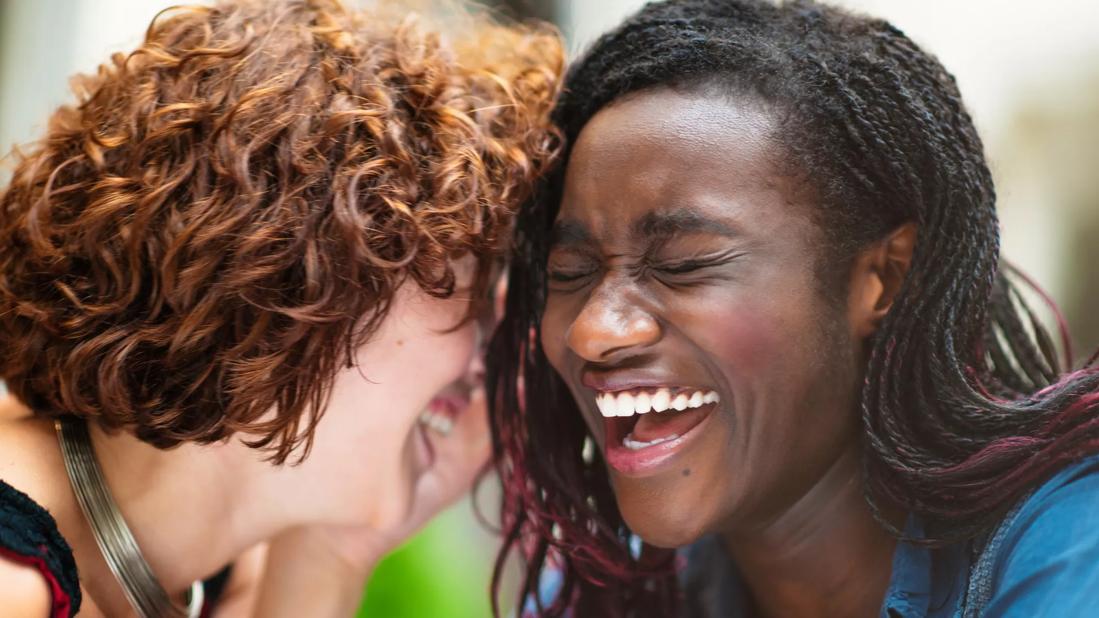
[[373, 445], [683, 277]]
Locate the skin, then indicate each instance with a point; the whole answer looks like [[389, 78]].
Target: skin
[[325, 522], [727, 296]]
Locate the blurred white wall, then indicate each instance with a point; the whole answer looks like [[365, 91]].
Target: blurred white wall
[[44, 42]]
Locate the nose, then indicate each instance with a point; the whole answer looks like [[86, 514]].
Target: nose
[[611, 327], [475, 371]]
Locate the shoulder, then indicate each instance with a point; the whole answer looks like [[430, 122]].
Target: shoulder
[[31, 545], [1049, 558], [1064, 507], [31, 460], [38, 575], [23, 590]]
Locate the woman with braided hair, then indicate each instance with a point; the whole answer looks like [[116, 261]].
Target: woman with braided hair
[[771, 361]]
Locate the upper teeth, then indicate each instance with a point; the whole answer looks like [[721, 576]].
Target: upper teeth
[[440, 423], [641, 402]]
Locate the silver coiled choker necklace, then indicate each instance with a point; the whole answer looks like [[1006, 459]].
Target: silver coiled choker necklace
[[116, 542]]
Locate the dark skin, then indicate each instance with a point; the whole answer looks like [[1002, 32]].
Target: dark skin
[[685, 254]]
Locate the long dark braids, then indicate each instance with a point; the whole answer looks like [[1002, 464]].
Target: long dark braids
[[965, 405]]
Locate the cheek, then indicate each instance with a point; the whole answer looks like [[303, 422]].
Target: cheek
[[434, 351], [791, 374], [785, 376], [412, 357], [796, 344], [434, 360], [749, 338], [746, 337], [459, 348]]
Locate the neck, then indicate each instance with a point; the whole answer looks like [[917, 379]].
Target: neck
[[825, 555], [217, 500]]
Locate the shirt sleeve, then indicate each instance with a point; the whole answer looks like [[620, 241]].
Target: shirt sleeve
[[1051, 563]]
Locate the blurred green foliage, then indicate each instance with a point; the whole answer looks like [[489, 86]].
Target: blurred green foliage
[[443, 572]]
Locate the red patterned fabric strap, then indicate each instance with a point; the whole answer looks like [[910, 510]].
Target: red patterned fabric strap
[[61, 606], [29, 535]]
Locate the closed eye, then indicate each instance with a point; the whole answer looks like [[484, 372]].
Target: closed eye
[[570, 268], [679, 268], [565, 276], [682, 267]]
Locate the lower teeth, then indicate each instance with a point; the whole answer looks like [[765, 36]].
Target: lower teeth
[[635, 445]]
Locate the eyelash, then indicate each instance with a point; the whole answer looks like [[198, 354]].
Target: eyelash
[[567, 277], [683, 267], [688, 266]]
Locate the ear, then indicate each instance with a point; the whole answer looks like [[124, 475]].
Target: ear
[[876, 278]]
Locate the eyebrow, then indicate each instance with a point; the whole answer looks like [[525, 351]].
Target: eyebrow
[[679, 221], [569, 232], [652, 225]]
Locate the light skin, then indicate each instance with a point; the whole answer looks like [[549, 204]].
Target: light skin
[[368, 483], [685, 254]]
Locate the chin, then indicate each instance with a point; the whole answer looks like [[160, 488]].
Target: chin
[[662, 524]]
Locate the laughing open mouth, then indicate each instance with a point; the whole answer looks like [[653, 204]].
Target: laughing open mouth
[[443, 410], [641, 418]]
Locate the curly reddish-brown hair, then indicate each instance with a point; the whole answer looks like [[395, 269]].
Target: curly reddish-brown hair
[[198, 245]]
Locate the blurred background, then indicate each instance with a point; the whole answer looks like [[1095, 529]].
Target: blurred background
[[1028, 71]]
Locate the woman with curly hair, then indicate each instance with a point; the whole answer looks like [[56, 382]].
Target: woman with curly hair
[[241, 284], [774, 333]]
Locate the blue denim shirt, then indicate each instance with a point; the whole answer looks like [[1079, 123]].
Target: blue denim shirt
[[1044, 561]]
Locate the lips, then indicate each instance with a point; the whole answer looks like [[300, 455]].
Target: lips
[[444, 408], [645, 427], [438, 419]]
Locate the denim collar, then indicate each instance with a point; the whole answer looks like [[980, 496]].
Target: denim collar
[[924, 582], [909, 593]]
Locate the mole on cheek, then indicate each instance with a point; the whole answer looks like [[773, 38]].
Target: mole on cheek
[[686, 471]]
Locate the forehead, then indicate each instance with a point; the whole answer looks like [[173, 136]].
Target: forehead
[[690, 119], [651, 131], [667, 150]]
